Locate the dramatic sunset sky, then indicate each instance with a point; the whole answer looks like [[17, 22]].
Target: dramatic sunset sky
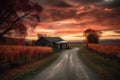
[[70, 18]]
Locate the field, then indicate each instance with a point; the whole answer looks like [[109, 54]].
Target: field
[[15, 56], [107, 68], [106, 50]]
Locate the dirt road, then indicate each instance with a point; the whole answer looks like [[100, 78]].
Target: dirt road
[[67, 67]]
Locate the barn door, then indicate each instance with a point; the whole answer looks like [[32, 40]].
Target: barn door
[[61, 46]]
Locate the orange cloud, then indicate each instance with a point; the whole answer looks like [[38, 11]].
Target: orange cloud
[[68, 22]]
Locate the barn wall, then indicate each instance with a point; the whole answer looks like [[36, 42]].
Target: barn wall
[[44, 42], [62, 46]]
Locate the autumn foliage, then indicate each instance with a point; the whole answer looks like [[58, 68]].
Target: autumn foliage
[[15, 56], [111, 51]]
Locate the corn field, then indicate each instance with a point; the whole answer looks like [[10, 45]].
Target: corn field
[[15, 56], [107, 50]]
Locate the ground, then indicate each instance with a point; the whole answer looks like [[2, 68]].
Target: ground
[[67, 67]]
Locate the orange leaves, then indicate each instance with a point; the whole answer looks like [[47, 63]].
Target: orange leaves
[[106, 49], [12, 56]]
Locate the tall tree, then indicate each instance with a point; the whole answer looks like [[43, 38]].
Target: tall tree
[[41, 35], [92, 36], [12, 13]]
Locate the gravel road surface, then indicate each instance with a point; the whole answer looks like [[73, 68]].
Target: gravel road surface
[[67, 67]]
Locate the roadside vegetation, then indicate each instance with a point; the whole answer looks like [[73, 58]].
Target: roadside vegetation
[[107, 68], [106, 50], [37, 68], [16, 56], [19, 62]]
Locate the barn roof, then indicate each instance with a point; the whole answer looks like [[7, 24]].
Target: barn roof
[[52, 39], [61, 42]]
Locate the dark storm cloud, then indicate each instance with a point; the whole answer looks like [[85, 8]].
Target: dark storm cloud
[[65, 3], [88, 1], [102, 3], [115, 4], [61, 4], [58, 14], [88, 13], [54, 3], [101, 18]]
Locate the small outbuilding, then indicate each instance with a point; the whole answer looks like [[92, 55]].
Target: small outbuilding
[[54, 42]]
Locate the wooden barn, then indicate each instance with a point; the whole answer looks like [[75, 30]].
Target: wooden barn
[[54, 42]]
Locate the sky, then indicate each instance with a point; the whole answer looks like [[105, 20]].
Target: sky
[[70, 18]]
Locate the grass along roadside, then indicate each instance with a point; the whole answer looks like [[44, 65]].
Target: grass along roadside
[[26, 72], [106, 68]]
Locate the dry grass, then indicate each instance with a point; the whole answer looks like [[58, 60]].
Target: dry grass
[[108, 69], [106, 49]]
